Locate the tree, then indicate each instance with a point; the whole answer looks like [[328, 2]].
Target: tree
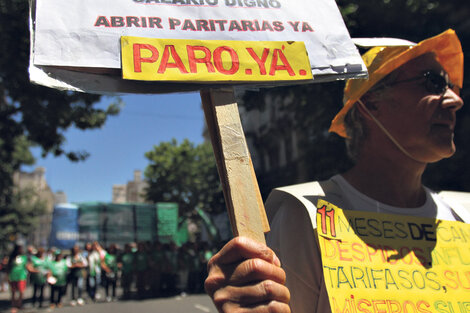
[[312, 107], [20, 216], [32, 115], [185, 174]]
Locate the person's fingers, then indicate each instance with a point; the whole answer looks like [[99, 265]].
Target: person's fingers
[[263, 292], [271, 307], [238, 274], [245, 277], [255, 270], [241, 248], [242, 261]]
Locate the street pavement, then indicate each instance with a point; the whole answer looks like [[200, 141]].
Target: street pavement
[[181, 303]]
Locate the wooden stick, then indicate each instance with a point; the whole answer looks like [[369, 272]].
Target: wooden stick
[[243, 199]]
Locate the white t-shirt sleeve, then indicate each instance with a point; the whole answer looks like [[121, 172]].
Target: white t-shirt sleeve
[[84, 261], [293, 239]]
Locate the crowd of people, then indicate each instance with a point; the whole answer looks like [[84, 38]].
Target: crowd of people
[[142, 270]]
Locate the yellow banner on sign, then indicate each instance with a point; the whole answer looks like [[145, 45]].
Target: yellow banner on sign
[[393, 264], [153, 59]]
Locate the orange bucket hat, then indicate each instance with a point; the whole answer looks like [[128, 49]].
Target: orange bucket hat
[[383, 60]]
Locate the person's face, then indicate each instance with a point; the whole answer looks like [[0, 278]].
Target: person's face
[[422, 121]]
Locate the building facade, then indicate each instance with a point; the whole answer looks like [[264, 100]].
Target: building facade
[[132, 192], [287, 133], [273, 141], [36, 181]]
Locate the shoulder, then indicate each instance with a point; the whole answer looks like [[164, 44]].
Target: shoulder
[[458, 202], [292, 214], [304, 197]]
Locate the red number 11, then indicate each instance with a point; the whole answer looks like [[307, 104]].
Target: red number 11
[[331, 215]]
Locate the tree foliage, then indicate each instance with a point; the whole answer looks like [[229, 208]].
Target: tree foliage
[[32, 115], [20, 216], [185, 174], [313, 106]]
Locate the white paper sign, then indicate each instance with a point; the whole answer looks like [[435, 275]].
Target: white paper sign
[[86, 33]]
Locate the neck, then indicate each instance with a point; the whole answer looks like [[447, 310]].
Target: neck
[[388, 178]]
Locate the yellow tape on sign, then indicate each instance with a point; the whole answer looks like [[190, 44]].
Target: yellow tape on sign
[[153, 59], [393, 264]]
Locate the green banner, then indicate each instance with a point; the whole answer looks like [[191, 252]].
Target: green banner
[[116, 223], [167, 221], [212, 230], [182, 236]]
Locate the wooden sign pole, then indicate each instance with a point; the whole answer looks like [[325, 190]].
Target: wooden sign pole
[[242, 196]]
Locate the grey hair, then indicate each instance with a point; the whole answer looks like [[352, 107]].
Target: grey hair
[[356, 129], [356, 132]]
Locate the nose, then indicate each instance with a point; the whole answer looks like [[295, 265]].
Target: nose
[[451, 100]]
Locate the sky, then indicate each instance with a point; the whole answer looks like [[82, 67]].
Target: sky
[[118, 148]]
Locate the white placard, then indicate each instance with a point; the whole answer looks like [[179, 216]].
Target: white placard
[[86, 33]]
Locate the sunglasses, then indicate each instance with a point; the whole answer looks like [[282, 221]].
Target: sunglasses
[[434, 83]]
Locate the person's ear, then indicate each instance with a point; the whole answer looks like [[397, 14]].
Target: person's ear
[[367, 107]]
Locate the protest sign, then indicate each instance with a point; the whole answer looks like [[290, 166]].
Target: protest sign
[[182, 45], [390, 263], [213, 60], [73, 51]]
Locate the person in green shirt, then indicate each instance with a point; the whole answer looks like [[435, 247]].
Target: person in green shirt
[[127, 263], [93, 269], [17, 269], [169, 268], [206, 254], [110, 268], [59, 271], [77, 264], [3, 274], [190, 261], [39, 272], [141, 268], [156, 262]]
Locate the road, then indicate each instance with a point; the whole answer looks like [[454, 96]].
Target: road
[[200, 303]]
